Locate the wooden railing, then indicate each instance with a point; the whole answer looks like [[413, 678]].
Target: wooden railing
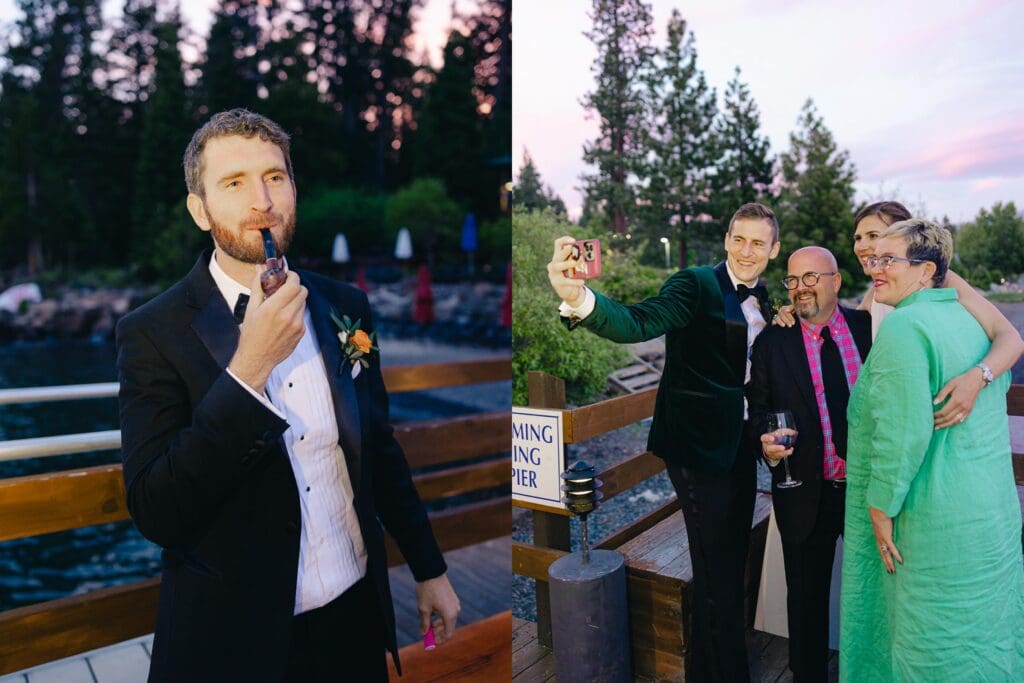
[[46, 503], [551, 528]]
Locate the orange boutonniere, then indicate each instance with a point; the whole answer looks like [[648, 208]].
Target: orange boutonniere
[[356, 344]]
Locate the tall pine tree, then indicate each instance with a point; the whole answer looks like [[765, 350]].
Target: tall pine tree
[[158, 229], [621, 31], [230, 72], [530, 191], [816, 204], [54, 102], [680, 142], [448, 141], [743, 169]]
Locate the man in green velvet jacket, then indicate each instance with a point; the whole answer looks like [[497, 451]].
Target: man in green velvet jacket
[[710, 318]]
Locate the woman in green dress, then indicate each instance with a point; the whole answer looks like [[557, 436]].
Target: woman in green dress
[[933, 577]]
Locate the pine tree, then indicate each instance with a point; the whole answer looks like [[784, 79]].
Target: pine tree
[[50, 78], [230, 72], [680, 141], [743, 170], [448, 138], [166, 129], [621, 32], [816, 204], [530, 192], [490, 33]]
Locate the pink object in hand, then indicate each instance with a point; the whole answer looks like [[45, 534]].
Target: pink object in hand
[[428, 639]]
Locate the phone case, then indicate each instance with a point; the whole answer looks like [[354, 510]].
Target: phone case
[[591, 251]]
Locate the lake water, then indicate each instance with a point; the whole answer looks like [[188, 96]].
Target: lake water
[[57, 565]]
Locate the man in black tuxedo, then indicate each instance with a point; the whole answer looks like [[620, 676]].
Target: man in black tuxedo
[[257, 451], [709, 316], [809, 369]]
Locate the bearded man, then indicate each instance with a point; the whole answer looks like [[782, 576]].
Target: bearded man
[[257, 449]]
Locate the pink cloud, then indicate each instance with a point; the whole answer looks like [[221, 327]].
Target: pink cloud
[[952, 25], [987, 184], [982, 154]]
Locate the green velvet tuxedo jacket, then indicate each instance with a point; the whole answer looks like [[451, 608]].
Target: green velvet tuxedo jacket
[[698, 415]]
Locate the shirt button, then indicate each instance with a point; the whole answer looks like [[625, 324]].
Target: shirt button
[[307, 488], [302, 438], [289, 385]]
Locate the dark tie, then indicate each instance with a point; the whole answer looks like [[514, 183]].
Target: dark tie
[[240, 305], [837, 391]]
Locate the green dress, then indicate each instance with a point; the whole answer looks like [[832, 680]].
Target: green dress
[[954, 611]]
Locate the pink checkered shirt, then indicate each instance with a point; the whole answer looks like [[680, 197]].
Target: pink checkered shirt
[[835, 467]]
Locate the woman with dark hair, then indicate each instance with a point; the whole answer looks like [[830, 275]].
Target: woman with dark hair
[[933, 579]]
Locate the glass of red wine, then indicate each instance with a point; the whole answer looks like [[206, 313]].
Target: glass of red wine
[[783, 428]]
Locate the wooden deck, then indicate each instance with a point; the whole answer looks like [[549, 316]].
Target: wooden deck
[[767, 656], [479, 573]]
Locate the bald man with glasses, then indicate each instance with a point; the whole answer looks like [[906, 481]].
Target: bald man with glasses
[[809, 369]]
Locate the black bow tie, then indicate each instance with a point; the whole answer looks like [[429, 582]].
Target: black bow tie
[[758, 291], [240, 305]]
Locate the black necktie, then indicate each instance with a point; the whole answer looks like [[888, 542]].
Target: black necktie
[[837, 391], [759, 291], [240, 305]]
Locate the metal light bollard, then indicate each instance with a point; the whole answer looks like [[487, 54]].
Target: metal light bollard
[[589, 613]]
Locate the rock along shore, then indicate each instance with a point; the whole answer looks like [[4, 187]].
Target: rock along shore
[[467, 312]]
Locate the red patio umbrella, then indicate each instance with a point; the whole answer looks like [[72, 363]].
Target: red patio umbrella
[[423, 309], [506, 303]]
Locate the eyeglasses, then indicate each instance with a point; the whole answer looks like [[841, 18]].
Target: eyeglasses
[[885, 262], [809, 279]]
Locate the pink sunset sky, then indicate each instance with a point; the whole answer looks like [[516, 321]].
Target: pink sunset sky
[[926, 96]]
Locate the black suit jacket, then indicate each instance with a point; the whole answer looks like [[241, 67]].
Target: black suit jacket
[[208, 479], [780, 379], [698, 413]]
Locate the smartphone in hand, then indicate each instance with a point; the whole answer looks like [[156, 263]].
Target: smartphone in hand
[[590, 250]]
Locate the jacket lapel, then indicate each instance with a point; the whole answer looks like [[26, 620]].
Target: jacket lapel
[[735, 324], [213, 323], [339, 377], [800, 370], [861, 332]]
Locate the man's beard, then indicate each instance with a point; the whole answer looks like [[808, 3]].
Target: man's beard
[[237, 243], [807, 309]]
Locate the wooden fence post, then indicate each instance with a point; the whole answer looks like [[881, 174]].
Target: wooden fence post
[[549, 530]]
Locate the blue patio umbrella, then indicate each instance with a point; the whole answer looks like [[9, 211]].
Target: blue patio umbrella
[[469, 233], [469, 239]]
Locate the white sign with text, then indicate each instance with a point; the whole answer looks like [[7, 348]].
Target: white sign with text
[[538, 456]]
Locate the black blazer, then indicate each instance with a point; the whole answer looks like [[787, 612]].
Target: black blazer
[[698, 413], [208, 479], [780, 379]]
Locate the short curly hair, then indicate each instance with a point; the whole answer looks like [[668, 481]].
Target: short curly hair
[[926, 241], [240, 122]]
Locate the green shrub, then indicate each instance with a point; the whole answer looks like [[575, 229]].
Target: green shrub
[[624, 279], [539, 340], [434, 220], [494, 240], [980, 278], [361, 216]]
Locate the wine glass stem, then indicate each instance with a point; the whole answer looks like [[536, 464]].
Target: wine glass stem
[[785, 463]]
